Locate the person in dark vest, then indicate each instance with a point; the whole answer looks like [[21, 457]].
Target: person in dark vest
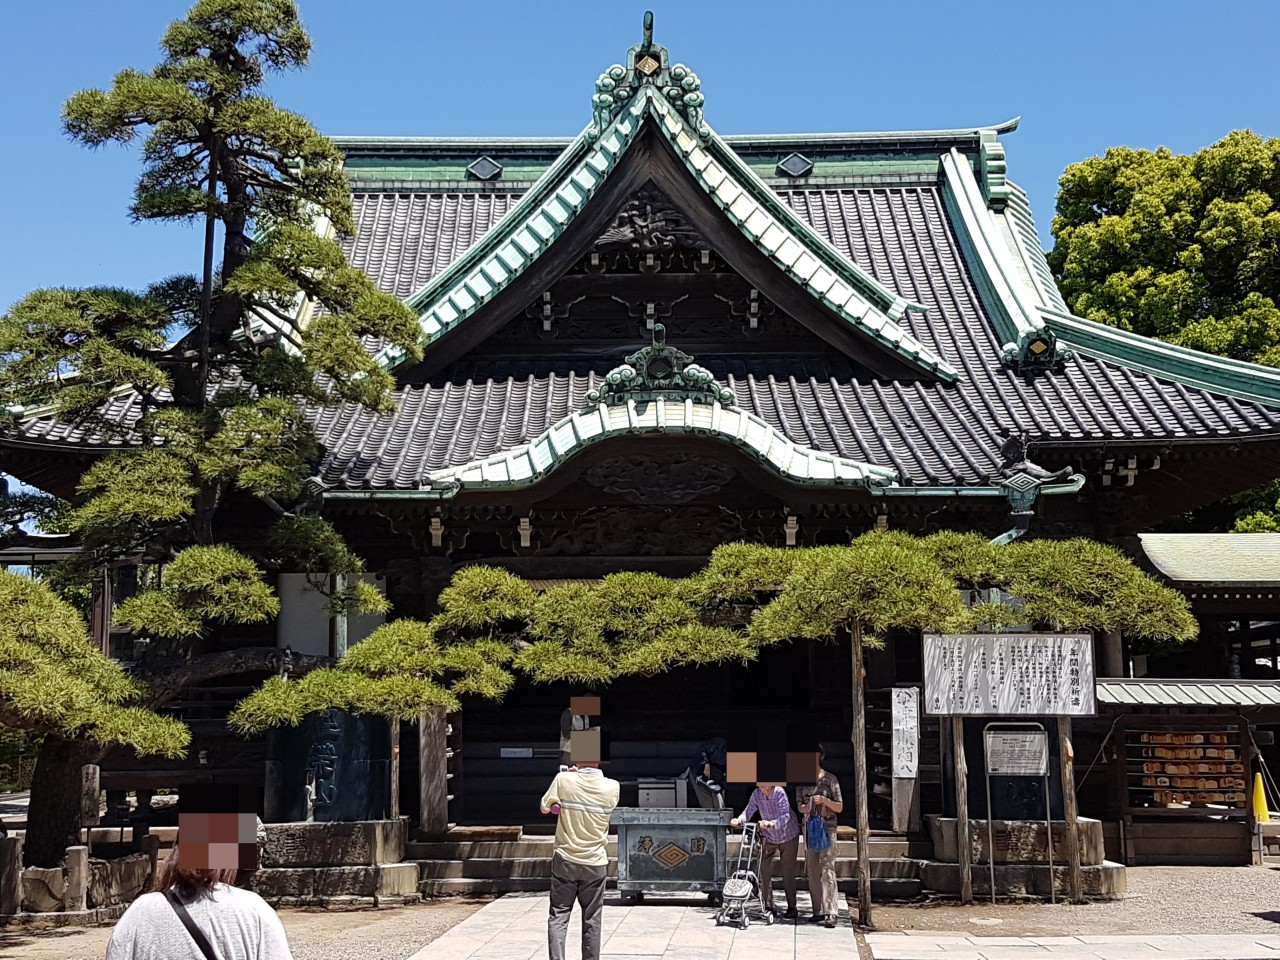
[[706, 773]]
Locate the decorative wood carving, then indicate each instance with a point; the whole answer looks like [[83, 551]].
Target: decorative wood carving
[[650, 222], [653, 480], [639, 532]]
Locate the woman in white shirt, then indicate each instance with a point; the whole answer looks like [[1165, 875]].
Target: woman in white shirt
[[234, 924]]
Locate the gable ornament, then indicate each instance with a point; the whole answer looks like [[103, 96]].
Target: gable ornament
[[647, 65], [659, 370]]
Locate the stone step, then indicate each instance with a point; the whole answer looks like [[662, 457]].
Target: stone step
[[882, 890], [881, 847], [486, 868]]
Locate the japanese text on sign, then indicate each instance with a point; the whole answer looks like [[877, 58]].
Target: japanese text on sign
[[905, 712], [1022, 674]]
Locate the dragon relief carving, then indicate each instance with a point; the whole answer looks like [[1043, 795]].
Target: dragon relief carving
[[654, 480], [650, 223]]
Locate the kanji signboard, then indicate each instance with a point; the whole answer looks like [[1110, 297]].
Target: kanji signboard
[[1007, 675]]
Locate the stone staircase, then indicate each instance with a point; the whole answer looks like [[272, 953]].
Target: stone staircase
[[465, 867]]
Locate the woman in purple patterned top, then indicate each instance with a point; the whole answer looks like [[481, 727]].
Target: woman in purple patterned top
[[780, 829]]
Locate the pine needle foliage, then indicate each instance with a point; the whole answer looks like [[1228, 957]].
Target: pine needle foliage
[[1081, 584], [223, 411], [53, 680], [493, 627], [879, 583]]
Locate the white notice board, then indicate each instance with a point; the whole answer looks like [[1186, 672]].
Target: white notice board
[[1021, 754], [905, 712], [1008, 675]]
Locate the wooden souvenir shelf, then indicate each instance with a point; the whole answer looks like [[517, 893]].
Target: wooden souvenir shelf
[[1174, 767]]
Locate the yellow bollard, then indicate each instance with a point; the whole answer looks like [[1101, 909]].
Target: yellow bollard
[[1260, 812]]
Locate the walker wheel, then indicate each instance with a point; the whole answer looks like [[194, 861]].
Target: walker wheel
[[768, 919], [744, 921], [719, 919]]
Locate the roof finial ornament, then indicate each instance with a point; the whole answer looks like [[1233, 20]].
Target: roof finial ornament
[[647, 66], [660, 371]]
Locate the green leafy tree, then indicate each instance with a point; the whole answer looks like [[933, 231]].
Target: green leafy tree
[[1184, 248], [276, 321]]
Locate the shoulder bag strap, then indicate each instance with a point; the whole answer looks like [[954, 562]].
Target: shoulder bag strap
[[196, 933]]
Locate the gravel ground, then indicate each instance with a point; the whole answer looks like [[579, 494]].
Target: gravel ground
[[1160, 900], [388, 934]]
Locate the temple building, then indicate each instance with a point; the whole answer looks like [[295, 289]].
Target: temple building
[[651, 339]]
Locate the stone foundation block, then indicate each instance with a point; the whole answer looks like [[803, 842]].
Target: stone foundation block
[[325, 883], [1017, 841], [351, 844], [44, 889], [1104, 881]]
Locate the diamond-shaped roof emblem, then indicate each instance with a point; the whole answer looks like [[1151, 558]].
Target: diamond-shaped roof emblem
[[486, 168], [795, 165]]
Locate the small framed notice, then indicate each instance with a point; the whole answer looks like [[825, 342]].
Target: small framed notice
[[1024, 753]]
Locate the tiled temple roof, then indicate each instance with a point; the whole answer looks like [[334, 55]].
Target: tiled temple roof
[[930, 433]]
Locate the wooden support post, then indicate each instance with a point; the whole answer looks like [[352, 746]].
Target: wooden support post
[[963, 847], [1112, 655], [150, 845], [433, 768], [77, 895], [394, 803], [1070, 811], [10, 876], [860, 779]]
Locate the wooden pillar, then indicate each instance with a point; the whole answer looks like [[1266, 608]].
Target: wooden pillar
[[963, 847], [863, 816], [433, 768], [150, 845], [101, 613], [338, 620], [10, 875], [77, 896], [1070, 811], [1112, 660], [394, 804]]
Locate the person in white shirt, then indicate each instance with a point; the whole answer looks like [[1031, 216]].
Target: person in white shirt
[[235, 924]]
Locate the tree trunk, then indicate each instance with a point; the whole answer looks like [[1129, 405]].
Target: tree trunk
[[54, 815], [860, 779]]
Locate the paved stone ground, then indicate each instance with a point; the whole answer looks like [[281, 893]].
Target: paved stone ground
[[932, 946], [1216, 912], [675, 928]]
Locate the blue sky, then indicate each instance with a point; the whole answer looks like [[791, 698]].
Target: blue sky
[[1083, 75]]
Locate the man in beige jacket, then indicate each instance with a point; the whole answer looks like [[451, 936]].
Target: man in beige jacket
[[584, 798]]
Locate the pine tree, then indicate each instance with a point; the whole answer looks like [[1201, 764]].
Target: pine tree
[[276, 321]]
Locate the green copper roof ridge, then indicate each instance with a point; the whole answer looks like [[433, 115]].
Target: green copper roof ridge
[[534, 197], [890, 299], [454, 294], [686, 143], [523, 217], [545, 453], [1240, 379], [1004, 292], [776, 140], [1027, 238]]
